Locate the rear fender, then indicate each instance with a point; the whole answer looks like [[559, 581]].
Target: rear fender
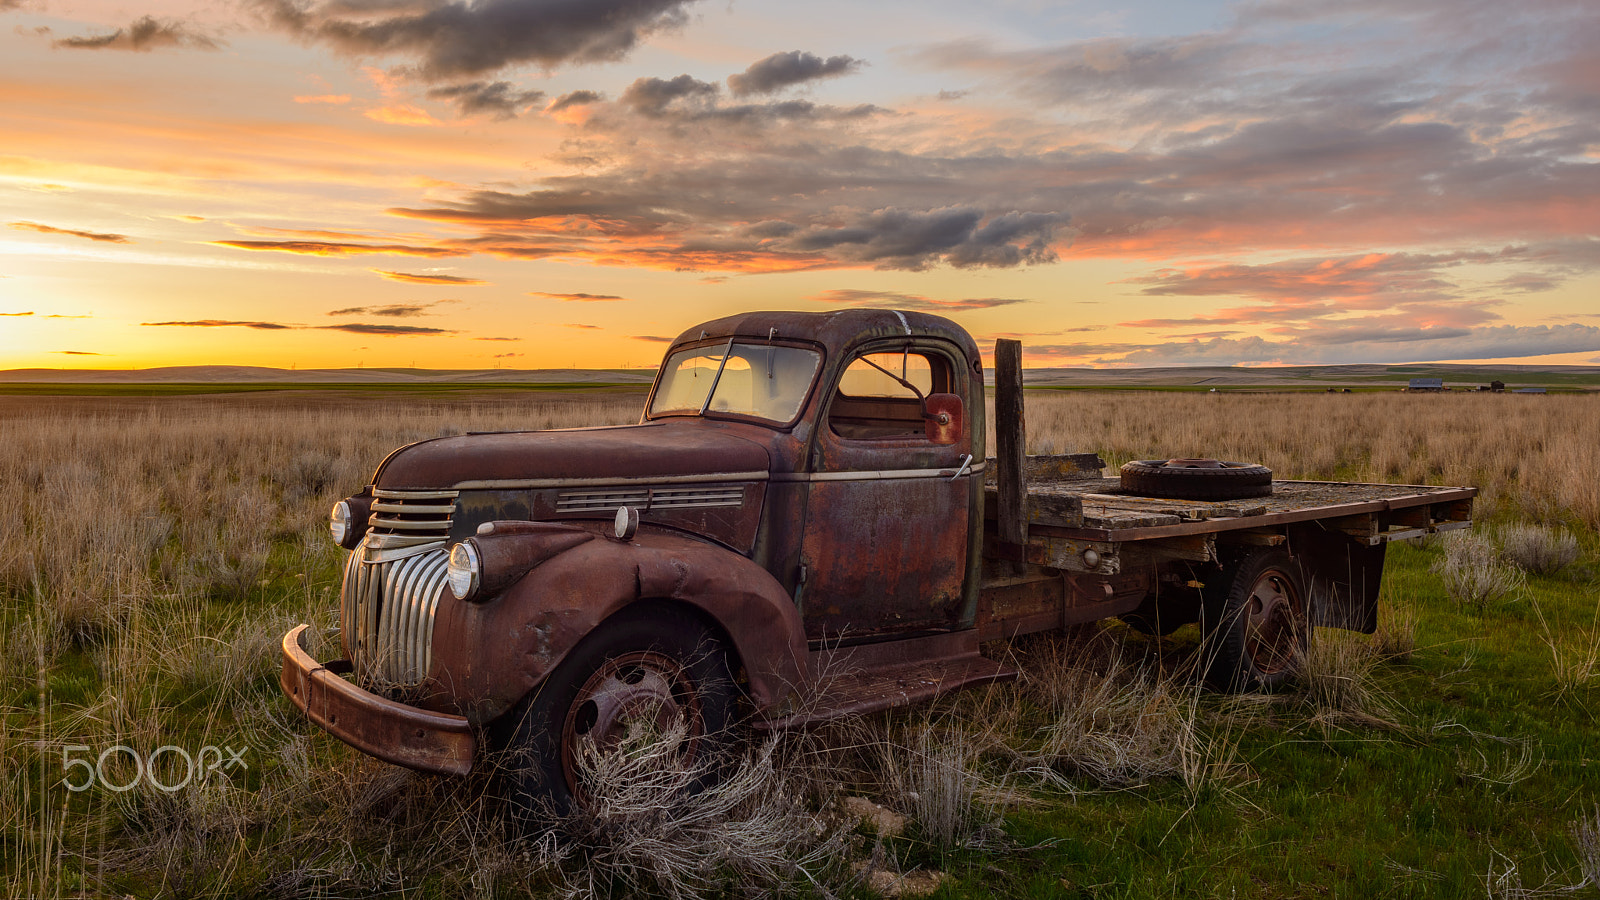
[[490, 655]]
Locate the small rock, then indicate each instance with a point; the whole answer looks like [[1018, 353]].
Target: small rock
[[886, 822], [912, 884]]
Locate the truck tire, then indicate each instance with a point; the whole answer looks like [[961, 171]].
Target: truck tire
[[649, 665], [1257, 632], [1179, 479]]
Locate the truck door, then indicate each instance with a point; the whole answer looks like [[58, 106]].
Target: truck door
[[884, 547]]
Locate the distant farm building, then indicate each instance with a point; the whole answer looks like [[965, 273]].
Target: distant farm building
[[1529, 391], [1426, 384]]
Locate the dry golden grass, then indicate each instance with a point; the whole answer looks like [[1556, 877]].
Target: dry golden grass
[[1536, 456]]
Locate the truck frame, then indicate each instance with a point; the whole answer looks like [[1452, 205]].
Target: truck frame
[[804, 525]]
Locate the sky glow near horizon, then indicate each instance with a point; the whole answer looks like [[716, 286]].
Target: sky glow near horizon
[[565, 183]]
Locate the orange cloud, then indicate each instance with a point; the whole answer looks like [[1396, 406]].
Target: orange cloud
[[414, 278], [333, 248], [336, 99], [87, 235], [576, 298]]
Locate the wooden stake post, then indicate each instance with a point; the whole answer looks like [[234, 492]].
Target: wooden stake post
[[1010, 438]]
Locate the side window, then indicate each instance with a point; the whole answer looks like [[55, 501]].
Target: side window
[[871, 403]]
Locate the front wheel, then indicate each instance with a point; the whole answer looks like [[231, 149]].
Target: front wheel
[[1257, 633], [643, 674]]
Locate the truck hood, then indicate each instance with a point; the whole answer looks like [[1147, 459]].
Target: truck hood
[[655, 449]]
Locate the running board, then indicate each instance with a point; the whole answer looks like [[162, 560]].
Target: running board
[[868, 678]]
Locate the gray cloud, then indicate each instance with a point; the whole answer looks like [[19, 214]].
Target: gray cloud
[[388, 330], [574, 98], [1449, 140], [397, 310], [651, 96], [914, 239], [500, 99], [145, 34], [781, 70], [455, 39]]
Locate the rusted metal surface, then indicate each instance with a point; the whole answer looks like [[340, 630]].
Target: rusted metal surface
[[1342, 575], [670, 447], [490, 655], [875, 502], [639, 689], [394, 732], [1274, 614], [867, 678]]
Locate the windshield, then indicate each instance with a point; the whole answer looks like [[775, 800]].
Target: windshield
[[761, 380]]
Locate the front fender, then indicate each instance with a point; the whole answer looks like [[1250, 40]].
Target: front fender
[[489, 655]]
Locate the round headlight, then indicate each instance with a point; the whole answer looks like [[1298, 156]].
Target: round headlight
[[340, 521], [464, 571]]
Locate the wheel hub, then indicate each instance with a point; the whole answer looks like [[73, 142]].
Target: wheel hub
[[1271, 623], [632, 697]]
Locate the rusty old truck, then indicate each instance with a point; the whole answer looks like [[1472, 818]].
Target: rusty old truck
[[805, 524]]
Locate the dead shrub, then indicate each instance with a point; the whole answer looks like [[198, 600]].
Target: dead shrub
[[646, 831], [1537, 549], [928, 772], [1472, 572]]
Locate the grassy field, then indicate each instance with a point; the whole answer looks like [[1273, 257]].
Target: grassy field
[[153, 550]]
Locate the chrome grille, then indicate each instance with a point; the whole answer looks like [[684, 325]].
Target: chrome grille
[[392, 586], [651, 498]]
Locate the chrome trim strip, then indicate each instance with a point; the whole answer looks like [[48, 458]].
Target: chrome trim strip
[[879, 475], [411, 524], [651, 498], [644, 480], [382, 507], [413, 495]]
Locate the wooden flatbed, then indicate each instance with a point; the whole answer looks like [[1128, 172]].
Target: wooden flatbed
[[1090, 549]]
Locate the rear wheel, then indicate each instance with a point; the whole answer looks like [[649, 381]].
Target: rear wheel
[[1257, 633], [641, 675]]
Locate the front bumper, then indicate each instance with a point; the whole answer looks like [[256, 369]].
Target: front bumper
[[393, 732]]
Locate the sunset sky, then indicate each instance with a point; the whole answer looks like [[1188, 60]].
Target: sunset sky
[[556, 183]]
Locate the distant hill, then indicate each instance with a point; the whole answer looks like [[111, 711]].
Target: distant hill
[[1234, 377]]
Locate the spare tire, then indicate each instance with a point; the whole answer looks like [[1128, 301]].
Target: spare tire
[[1196, 479]]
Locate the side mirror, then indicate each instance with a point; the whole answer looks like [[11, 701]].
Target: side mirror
[[944, 418]]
